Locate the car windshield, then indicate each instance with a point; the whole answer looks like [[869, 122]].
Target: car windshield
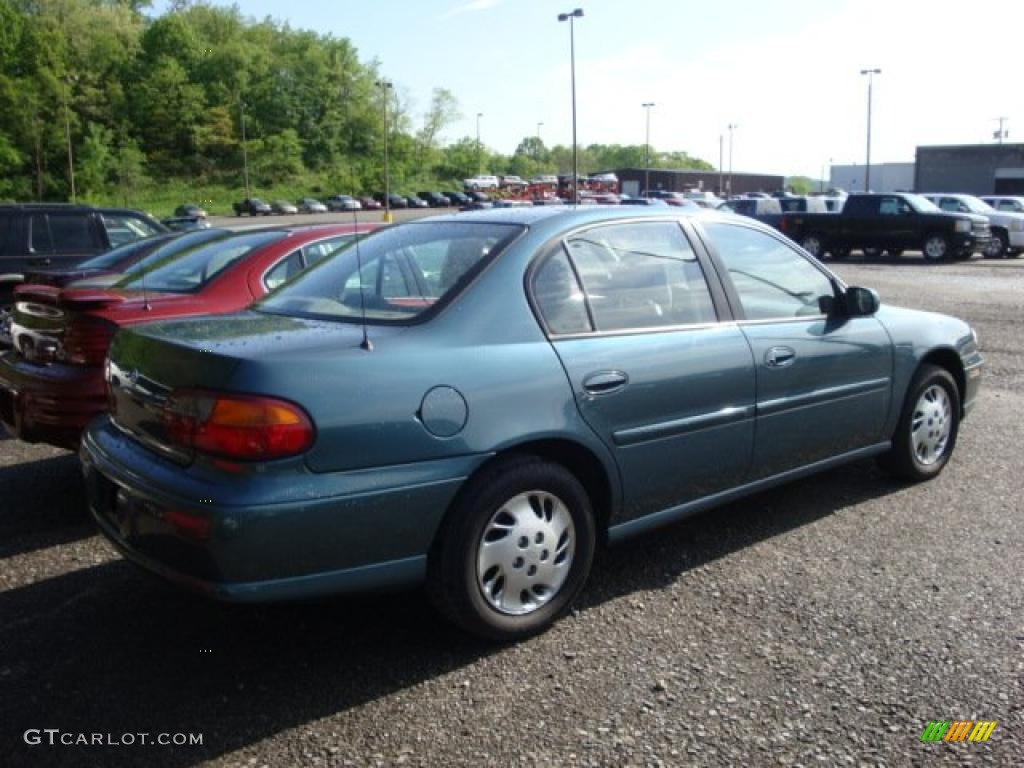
[[922, 204], [976, 205], [112, 258], [404, 273], [189, 271]]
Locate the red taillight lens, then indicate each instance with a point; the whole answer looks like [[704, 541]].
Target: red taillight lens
[[87, 340], [243, 427]]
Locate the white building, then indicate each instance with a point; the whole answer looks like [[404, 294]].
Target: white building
[[885, 177]]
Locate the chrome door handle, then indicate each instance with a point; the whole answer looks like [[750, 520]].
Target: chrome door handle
[[779, 357], [604, 382]]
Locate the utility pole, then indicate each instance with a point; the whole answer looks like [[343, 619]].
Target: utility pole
[[1001, 134], [732, 127], [576, 14], [647, 150], [867, 166], [67, 133], [721, 143], [245, 153], [479, 167]]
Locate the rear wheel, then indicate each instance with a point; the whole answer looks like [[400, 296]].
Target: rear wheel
[[514, 550], [936, 247], [928, 427], [998, 246], [814, 245]]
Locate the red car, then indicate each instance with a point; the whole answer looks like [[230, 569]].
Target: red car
[[51, 383]]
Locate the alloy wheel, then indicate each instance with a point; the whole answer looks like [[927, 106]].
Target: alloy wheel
[[930, 425]]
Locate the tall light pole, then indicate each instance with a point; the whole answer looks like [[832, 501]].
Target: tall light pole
[[245, 153], [536, 152], [1001, 134], [479, 169], [576, 14], [67, 133], [647, 150], [867, 165], [732, 127], [386, 86], [721, 143]]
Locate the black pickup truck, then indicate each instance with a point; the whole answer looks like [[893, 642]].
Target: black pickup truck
[[888, 222]]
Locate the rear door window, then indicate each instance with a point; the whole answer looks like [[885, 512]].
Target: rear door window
[[72, 233], [39, 239], [642, 275]]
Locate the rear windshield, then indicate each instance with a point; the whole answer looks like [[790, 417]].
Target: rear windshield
[[406, 271], [114, 257], [190, 270]]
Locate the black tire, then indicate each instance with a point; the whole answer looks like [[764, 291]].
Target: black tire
[[998, 247], [964, 255], [935, 247], [871, 253], [839, 252], [904, 459], [453, 581], [814, 244]]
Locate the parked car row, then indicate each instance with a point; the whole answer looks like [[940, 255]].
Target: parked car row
[[472, 401]]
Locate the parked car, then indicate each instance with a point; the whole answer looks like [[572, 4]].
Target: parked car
[[51, 383], [394, 200], [512, 181], [435, 199], [190, 211], [677, 199], [311, 205], [1005, 202], [1007, 226], [185, 223], [703, 198], [416, 202], [252, 206], [889, 222], [632, 394], [648, 201], [481, 182], [343, 203], [545, 179], [457, 198], [283, 207], [369, 204], [44, 235], [478, 201]]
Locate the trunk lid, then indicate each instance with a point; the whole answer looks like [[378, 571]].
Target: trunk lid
[[44, 315]]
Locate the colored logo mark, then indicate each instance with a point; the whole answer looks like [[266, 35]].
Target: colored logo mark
[[958, 730]]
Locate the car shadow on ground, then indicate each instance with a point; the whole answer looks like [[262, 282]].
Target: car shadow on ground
[[108, 649], [42, 504]]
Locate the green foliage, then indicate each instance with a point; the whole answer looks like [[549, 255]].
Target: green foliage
[[155, 111], [801, 185]]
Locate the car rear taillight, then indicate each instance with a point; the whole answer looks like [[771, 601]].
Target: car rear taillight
[[87, 339], [242, 427]]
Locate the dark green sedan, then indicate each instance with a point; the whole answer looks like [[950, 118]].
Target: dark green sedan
[[478, 401]]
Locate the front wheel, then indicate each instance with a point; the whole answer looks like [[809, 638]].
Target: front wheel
[[936, 247], [514, 551], [928, 427]]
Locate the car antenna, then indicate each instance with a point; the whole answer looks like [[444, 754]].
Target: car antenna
[[366, 343], [145, 296]]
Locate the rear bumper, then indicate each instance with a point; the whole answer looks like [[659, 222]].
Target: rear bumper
[[282, 533], [49, 403]]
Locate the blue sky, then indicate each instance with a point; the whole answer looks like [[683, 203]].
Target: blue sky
[[786, 72]]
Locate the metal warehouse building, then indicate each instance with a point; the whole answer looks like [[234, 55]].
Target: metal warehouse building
[[885, 177], [633, 180], [977, 169]]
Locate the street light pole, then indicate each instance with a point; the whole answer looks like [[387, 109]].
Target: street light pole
[[245, 153], [576, 14], [867, 165], [721, 143], [479, 168], [732, 127], [647, 150], [386, 86], [67, 132]]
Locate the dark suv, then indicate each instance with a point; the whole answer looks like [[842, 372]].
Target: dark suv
[[51, 235]]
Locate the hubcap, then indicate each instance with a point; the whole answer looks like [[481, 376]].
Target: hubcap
[[931, 425], [525, 553], [812, 246], [995, 248], [935, 248]]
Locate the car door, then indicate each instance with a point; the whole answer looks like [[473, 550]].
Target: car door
[[658, 373], [823, 379], [895, 224]]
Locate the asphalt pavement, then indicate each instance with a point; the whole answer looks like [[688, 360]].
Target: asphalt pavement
[[824, 623]]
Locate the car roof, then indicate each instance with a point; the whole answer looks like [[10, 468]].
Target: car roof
[[528, 215]]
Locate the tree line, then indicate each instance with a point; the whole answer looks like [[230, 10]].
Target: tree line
[[140, 101]]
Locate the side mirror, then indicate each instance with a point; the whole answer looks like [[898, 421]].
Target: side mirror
[[861, 302]]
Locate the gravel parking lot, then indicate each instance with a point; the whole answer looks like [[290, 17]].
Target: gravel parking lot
[[824, 623]]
